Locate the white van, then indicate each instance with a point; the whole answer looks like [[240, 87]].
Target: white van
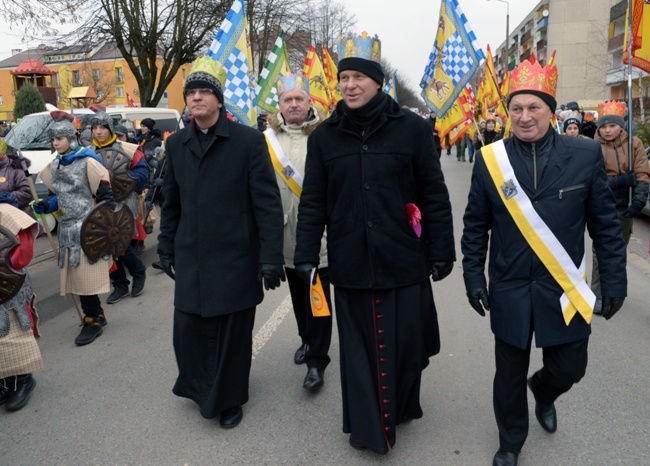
[[30, 134]]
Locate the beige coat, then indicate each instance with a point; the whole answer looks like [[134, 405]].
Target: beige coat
[[293, 140]]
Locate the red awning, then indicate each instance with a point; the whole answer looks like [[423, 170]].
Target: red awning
[[32, 67]]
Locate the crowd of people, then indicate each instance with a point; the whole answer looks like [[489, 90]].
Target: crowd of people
[[355, 203]]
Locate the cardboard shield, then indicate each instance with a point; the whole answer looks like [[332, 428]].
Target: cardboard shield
[[117, 163], [106, 233], [10, 280]]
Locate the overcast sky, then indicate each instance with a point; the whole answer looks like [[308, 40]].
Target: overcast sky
[[407, 28]]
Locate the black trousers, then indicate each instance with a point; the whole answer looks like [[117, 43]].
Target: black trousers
[[131, 261], [563, 365], [91, 305], [314, 331]]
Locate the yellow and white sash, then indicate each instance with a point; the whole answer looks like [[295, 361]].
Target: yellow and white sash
[[577, 296], [281, 163]]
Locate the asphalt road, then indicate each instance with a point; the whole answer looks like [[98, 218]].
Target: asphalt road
[[110, 402]]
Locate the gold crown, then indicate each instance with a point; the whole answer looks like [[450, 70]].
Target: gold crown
[[531, 76], [611, 107]]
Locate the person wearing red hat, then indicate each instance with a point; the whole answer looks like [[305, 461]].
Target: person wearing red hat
[[531, 198]]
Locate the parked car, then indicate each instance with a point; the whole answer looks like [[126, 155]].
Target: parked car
[[30, 134]]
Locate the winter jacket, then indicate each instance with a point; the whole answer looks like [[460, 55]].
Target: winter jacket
[[14, 181]]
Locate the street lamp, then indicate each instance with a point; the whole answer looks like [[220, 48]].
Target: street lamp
[[505, 51]]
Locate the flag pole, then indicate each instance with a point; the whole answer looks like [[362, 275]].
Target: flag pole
[[630, 38]]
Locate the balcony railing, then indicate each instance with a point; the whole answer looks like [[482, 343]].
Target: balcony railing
[[542, 24], [525, 37]]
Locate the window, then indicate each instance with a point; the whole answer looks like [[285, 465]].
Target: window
[[119, 75], [57, 80], [120, 91], [76, 78], [100, 93], [2, 100], [97, 74]]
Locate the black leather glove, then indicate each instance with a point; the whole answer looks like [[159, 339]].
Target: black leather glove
[[304, 272], [167, 264], [478, 299], [634, 209], [105, 193], [271, 274], [611, 306], [440, 270]]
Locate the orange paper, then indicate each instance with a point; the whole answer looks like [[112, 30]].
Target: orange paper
[[319, 307]]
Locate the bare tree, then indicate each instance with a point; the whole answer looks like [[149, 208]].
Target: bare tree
[[155, 38]]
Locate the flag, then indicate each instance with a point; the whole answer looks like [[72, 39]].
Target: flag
[[129, 101], [459, 118], [391, 87], [276, 64], [452, 62], [505, 85], [331, 74], [319, 91], [640, 28], [231, 47], [491, 92]]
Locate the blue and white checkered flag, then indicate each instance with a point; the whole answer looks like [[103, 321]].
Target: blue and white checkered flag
[[453, 61], [232, 48]]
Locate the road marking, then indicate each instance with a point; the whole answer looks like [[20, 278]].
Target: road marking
[[269, 327]]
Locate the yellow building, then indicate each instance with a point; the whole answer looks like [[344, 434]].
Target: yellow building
[[102, 68]]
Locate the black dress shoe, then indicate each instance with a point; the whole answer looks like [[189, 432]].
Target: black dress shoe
[[231, 417], [314, 379], [299, 357], [505, 458], [544, 412]]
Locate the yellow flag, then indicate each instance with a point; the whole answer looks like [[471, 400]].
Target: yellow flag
[[318, 89], [640, 35], [491, 93], [331, 73]]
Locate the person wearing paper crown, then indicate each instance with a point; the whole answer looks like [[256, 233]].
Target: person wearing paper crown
[[220, 239], [105, 142], [622, 177], [77, 178], [372, 180], [532, 196], [286, 137]]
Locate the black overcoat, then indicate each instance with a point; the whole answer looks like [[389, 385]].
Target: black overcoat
[[221, 218], [572, 194], [358, 186]]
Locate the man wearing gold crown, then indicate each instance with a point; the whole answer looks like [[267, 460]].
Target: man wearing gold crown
[[220, 238], [621, 176], [373, 180], [532, 195], [286, 137]]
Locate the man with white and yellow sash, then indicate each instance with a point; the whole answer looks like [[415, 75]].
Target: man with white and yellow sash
[[287, 140], [532, 196]]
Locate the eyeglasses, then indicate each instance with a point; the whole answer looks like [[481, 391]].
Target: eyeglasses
[[201, 92]]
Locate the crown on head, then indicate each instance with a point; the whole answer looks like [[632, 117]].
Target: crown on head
[[531, 76], [361, 46], [611, 107], [210, 67], [290, 82]]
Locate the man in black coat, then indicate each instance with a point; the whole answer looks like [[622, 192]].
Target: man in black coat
[[372, 178], [532, 196], [220, 237]]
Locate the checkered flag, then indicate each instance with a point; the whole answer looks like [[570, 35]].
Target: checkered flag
[[452, 62], [276, 64], [230, 46]]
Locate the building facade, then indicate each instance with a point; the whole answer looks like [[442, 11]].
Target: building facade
[[101, 68], [578, 30]]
